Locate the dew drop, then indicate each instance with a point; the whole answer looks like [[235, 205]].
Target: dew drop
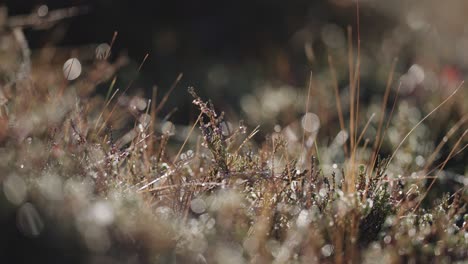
[[144, 120], [102, 213], [323, 192], [42, 11], [168, 128], [304, 219], [417, 72], [189, 154], [72, 69], [198, 206], [310, 122], [103, 51], [15, 189], [327, 250], [210, 223], [387, 239], [29, 221]]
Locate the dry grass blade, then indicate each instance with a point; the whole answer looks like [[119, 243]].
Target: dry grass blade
[[166, 96], [357, 73], [447, 136], [441, 168], [337, 99], [307, 109], [379, 136], [251, 135], [153, 118], [126, 89], [364, 131], [186, 138], [107, 102], [423, 119], [351, 87], [108, 52]]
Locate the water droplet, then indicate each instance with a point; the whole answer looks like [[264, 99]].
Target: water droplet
[[310, 122], [242, 127], [168, 128], [42, 11], [72, 69], [323, 192], [304, 219], [277, 128], [420, 160], [189, 153], [144, 120], [103, 51], [51, 187], [198, 206], [417, 72], [140, 104], [15, 189], [387, 239], [341, 137], [333, 36], [226, 128], [165, 213], [210, 223], [29, 221], [327, 250], [416, 20], [102, 213]]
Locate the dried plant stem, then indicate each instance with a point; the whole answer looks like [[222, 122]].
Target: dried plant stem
[[337, 99], [350, 177], [441, 168], [166, 96], [126, 89], [379, 137], [445, 139], [186, 138], [423, 119], [306, 111]]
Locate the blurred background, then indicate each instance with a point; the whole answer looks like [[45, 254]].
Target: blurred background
[[253, 58], [228, 49]]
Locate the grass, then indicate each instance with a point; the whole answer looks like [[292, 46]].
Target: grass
[[107, 179]]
